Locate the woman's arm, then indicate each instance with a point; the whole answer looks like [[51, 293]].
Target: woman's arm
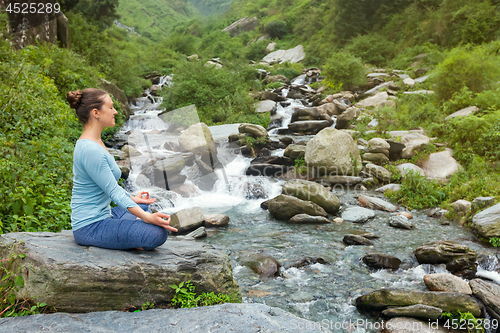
[[156, 218]]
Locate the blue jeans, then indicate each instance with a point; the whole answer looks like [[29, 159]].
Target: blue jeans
[[122, 231]]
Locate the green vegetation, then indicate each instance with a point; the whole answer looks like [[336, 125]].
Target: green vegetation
[[458, 320], [146, 306], [11, 281], [495, 241], [185, 297], [344, 71]]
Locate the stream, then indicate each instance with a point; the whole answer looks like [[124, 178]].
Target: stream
[[318, 291]]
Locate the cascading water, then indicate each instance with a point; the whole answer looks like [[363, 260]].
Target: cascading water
[[318, 291]]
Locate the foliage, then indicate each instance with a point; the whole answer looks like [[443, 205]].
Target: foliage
[[146, 306], [475, 68], [418, 192], [495, 241], [11, 281], [218, 94], [277, 29], [185, 297], [374, 49], [344, 71], [466, 319], [102, 12]]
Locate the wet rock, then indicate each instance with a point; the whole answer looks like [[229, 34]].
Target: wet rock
[[215, 220], [376, 158], [487, 222], [378, 172], [76, 278], [254, 130], [265, 106], [342, 180], [269, 170], [356, 240], [338, 220], [389, 187], [236, 137], [405, 214], [489, 294], [305, 219], [187, 219], [441, 165], [414, 311], [409, 167], [482, 202], [461, 206], [463, 113], [376, 203], [413, 143], [307, 261], [284, 207], [308, 190], [286, 140], [325, 158], [381, 260], [262, 264], [400, 222], [309, 126], [447, 282], [411, 325], [357, 214], [264, 204], [295, 151], [279, 160], [198, 140], [459, 259], [201, 232], [347, 117], [186, 190], [391, 297]]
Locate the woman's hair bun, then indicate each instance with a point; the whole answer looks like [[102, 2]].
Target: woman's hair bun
[[74, 98]]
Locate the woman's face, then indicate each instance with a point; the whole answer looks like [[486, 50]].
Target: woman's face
[[107, 113]]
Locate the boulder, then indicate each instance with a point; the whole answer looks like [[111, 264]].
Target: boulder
[[342, 180], [347, 117], [487, 222], [309, 126], [265, 106], [311, 191], [197, 139], [217, 318], [409, 167], [379, 145], [242, 25], [332, 152], [391, 297], [376, 158], [117, 154], [414, 311], [411, 325], [279, 160], [305, 219], [356, 240], [413, 143], [461, 207], [254, 190], [441, 165], [378, 172], [400, 222], [463, 113], [395, 150], [482, 202], [292, 55], [270, 47], [187, 219], [295, 151], [389, 187], [447, 282], [379, 100], [357, 214], [75, 278], [329, 109], [284, 207], [262, 264], [215, 220], [459, 259], [254, 130], [130, 151], [489, 294], [381, 260], [376, 203], [409, 82]]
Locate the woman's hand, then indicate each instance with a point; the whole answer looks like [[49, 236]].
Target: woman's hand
[[139, 199], [157, 219]]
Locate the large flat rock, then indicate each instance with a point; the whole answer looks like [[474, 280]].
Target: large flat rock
[[76, 278], [242, 318]]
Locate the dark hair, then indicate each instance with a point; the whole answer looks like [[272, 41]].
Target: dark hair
[[84, 101]]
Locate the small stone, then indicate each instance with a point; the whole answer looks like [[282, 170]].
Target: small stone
[[461, 206], [338, 220], [304, 218], [406, 214], [381, 260], [356, 240], [482, 202], [400, 222], [215, 220], [389, 187]]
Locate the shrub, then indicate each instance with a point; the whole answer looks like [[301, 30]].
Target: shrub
[[277, 29], [344, 71], [374, 49], [476, 68], [185, 297]]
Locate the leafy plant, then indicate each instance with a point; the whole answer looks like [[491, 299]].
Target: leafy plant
[[344, 71], [185, 297], [146, 306], [495, 241], [462, 319]]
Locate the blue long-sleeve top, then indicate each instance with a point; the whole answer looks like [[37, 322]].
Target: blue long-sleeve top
[[95, 176]]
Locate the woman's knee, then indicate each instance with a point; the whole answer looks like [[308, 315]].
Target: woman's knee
[[159, 237], [145, 208]]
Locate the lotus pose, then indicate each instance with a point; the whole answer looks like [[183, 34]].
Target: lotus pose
[[131, 225]]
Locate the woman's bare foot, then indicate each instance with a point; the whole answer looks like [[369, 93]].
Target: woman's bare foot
[[139, 248]]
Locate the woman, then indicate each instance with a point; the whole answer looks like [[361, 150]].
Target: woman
[[131, 224]]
